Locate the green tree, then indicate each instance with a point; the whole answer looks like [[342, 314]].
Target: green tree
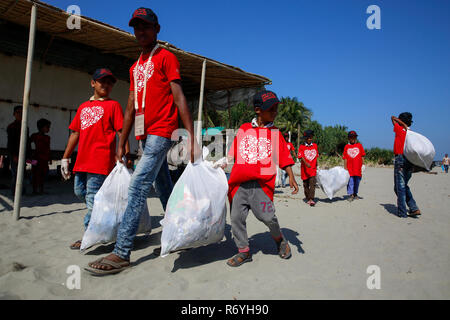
[[292, 114]]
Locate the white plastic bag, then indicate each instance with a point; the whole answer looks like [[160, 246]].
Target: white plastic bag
[[110, 203], [419, 150], [196, 210], [332, 180]]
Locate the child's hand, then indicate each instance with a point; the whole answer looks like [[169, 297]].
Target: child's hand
[[293, 184], [308, 165]]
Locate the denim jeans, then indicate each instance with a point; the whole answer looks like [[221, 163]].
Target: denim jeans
[[284, 175], [147, 171], [86, 186], [353, 185], [163, 181], [402, 173]]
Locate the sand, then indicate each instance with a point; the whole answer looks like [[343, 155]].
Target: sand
[[333, 244]]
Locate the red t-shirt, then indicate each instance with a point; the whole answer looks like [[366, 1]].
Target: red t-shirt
[[161, 113], [97, 122], [42, 147], [353, 153], [400, 136], [290, 146], [256, 152], [310, 154]]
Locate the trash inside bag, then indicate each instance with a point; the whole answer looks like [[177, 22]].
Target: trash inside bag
[[332, 180], [196, 211], [419, 150], [110, 203]]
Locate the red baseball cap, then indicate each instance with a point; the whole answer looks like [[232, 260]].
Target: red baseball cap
[[103, 72], [143, 14], [352, 134]]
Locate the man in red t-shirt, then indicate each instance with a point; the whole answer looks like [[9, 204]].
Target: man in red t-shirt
[[403, 168], [353, 161], [256, 151], [155, 101], [291, 149], [41, 155], [309, 153], [94, 130]]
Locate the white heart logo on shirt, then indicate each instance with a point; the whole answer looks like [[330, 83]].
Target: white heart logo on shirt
[[353, 152], [140, 71], [90, 116], [310, 154], [253, 149]]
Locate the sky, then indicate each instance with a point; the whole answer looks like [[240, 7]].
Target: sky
[[321, 52]]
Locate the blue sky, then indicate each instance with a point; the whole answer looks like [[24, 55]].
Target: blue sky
[[323, 53]]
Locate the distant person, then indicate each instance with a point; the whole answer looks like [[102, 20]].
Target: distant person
[[13, 145], [256, 151], [94, 130], [40, 155], [353, 161], [309, 153], [403, 169], [446, 163]]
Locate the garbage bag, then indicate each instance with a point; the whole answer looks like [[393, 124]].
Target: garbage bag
[[419, 150], [110, 203], [332, 180], [196, 211]]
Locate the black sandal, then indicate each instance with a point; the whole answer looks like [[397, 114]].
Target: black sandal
[[239, 259], [284, 250]]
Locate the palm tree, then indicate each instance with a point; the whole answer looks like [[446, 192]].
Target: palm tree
[[293, 116]]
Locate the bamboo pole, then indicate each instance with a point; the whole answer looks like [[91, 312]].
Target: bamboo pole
[[200, 103], [26, 102]]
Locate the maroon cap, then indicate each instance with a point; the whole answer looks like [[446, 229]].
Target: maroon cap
[[352, 134], [143, 14]]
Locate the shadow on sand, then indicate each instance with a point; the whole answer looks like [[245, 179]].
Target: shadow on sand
[[226, 249]]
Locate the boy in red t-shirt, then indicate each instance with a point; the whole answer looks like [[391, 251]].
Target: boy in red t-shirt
[[155, 101], [256, 150], [403, 169], [353, 161], [41, 155], [309, 153], [94, 130], [291, 149]]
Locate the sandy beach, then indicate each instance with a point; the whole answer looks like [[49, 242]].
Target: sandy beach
[[333, 244]]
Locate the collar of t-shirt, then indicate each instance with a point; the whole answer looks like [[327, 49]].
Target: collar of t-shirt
[[309, 145], [99, 99], [255, 124]]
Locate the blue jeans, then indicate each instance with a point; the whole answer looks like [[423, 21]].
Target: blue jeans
[[353, 185], [402, 173], [150, 168], [85, 187], [284, 175]]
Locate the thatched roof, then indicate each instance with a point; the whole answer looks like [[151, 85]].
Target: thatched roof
[[110, 40]]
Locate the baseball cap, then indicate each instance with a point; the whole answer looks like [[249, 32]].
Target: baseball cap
[[101, 73], [308, 133], [352, 134], [265, 99], [144, 14], [406, 117]]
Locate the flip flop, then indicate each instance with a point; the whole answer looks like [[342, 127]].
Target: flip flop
[[243, 259], [116, 267], [76, 245]]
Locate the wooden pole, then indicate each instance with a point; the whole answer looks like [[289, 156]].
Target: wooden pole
[[26, 102], [200, 104]]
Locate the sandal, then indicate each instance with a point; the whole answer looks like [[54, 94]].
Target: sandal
[[76, 245], [116, 267], [415, 213], [239, 259], [284, 250]]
